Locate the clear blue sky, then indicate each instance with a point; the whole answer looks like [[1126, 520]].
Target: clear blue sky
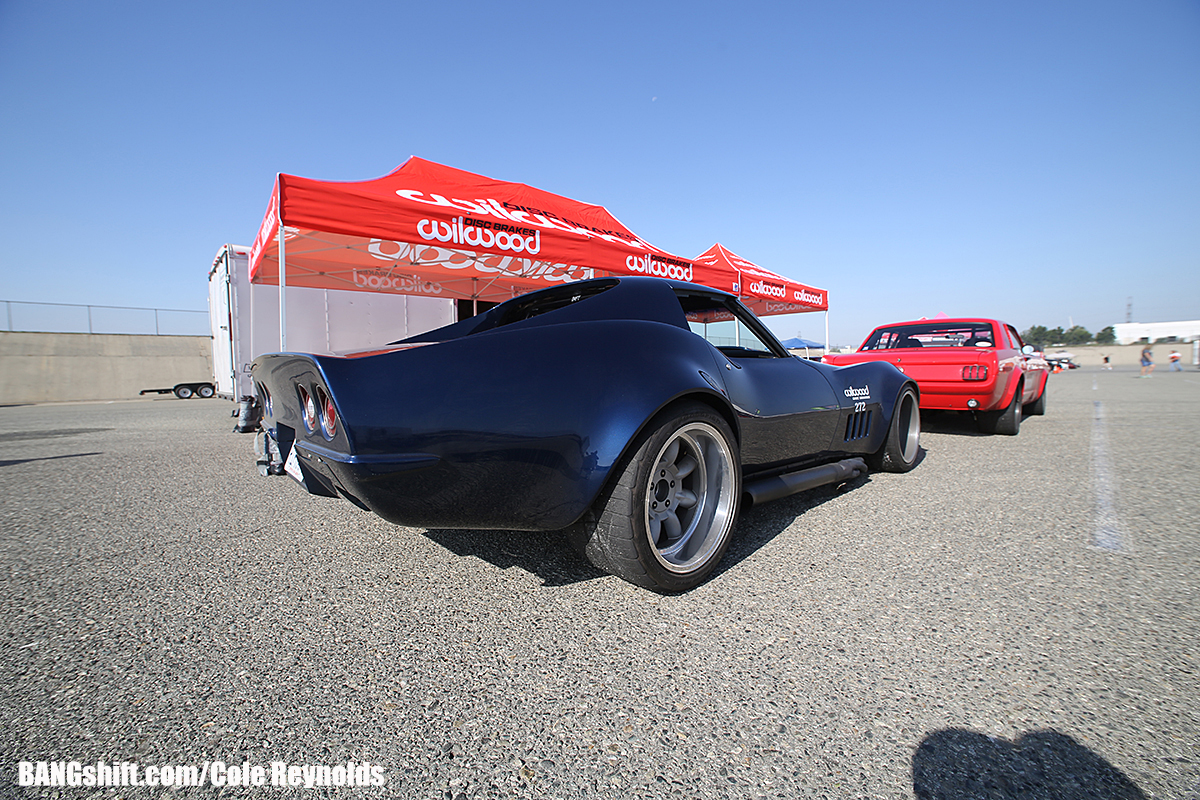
[[1034, 161]]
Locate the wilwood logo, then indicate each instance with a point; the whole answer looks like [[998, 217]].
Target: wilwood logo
[[768, 289], [864, 392], [675, 270], [510, 212], [804, 296], [474, 234], [406, 284]]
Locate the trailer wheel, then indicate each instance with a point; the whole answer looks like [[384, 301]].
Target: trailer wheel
[[205, 390], [183, 392]]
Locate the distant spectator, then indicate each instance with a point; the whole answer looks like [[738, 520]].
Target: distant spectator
[[1175, 361], [1147, 363], [1106, 364]]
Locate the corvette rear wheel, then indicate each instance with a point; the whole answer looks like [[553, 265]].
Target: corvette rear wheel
[[903, 443], [665, 521]]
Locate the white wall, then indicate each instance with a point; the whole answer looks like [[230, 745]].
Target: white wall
[[48, 367], [1134, 332]]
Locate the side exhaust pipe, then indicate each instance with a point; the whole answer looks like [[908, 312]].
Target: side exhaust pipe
[[777, 486]]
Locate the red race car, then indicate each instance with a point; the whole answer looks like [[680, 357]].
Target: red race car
[[977, 365]]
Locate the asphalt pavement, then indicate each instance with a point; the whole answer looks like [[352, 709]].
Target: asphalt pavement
[[1015, 618]]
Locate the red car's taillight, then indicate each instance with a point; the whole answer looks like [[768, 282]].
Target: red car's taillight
[[975, 372]]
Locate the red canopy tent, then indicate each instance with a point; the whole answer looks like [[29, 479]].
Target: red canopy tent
[[428, 229], [765, 292], [762, 290]]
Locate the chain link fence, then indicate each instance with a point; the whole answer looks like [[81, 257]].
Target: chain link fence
[[28, 317]]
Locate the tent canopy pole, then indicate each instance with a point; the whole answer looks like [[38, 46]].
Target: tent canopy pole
[[282, 275]]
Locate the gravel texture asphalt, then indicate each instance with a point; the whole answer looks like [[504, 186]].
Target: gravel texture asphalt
[[1016, 618]]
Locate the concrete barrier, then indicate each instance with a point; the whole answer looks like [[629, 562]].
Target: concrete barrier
[[1092, 355], [49, 367], [55, 367]]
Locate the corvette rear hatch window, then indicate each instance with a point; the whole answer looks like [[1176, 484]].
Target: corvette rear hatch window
[[546, 301]]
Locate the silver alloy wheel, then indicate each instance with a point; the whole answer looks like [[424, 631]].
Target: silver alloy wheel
[[690, 497], [910, 427]]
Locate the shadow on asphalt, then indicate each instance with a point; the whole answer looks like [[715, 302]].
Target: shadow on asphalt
[[954, 423], [1041, 765], [44, 458], [550, 556], [546, 554], [32, 436], [759, 525], [959, 423]]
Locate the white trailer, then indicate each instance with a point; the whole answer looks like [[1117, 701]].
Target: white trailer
[[245, 320]]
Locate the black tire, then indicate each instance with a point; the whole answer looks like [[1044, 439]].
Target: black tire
[[183, 392], [643, 528], [205, 390], [1038, 407], [903, 443], [1006, 422]]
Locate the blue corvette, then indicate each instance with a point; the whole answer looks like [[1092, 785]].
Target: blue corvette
[[638, 415]]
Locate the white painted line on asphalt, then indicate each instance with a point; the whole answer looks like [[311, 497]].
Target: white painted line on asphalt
[[1109, 534]]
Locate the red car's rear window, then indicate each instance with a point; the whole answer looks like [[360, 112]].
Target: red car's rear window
[[931, 334]]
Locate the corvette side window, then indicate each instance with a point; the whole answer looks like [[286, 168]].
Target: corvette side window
[[724, 327], [731, 337]]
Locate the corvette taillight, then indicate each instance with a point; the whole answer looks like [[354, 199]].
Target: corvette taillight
[[308, 409], [264, 396], [975, 372], [328, 413]]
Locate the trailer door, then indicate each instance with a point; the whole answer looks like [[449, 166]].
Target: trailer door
[[221, 321]]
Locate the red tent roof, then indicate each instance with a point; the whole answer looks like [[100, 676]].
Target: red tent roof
[[434, 230], [429, 229], [762, 290]]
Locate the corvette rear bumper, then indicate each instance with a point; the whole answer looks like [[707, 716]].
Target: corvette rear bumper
[[515, 488]]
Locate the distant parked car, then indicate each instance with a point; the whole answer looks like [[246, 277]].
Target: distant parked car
[[966, 364], [1061, 360]]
